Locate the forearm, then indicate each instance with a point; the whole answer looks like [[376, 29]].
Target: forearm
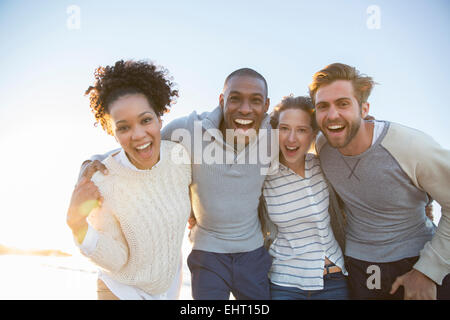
[[77, 223], [80, 233]]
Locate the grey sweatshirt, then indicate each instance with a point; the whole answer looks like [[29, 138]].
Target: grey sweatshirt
[[225, 195], [384, 192]]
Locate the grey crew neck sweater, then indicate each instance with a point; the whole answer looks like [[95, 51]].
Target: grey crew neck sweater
[[224, 195]]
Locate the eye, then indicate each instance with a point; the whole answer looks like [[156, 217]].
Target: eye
[[256, 101], [122, 128], [234, 99], [147, 120], [320, 107], [283, 128]]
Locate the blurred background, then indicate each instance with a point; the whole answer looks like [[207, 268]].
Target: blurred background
[[50, 49]]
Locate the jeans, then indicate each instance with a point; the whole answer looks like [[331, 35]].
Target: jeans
[[215, 275], [335, 288]]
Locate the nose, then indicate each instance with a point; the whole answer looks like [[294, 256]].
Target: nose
[[332, 113], [291, 137], [245, 108], [138, 133]]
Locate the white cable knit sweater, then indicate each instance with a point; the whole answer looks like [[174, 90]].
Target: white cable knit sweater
[[142, 221]]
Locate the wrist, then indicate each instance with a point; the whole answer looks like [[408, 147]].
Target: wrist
[[79, 225], [423, 275], [80, 233]]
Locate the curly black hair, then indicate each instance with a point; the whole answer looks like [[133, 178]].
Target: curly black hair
[[128, 77]]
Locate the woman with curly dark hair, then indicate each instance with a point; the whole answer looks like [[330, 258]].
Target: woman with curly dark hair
[[134, 229]]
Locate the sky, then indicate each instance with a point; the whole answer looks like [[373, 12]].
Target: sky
[[50, 49]]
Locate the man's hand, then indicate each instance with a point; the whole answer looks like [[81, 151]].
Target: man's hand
[[191, 222], [90, 167], [417, 286], [85, 198]]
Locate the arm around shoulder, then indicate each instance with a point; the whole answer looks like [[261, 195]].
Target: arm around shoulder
[[167, 132]]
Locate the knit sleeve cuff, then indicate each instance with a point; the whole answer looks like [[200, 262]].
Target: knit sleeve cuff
[[431, 264]]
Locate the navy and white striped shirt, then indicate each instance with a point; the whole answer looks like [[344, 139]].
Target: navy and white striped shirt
[[299, 208]]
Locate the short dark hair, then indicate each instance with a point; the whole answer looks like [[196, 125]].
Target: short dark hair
[[362, 84], [247, 72], [290, 102], [129, 77]]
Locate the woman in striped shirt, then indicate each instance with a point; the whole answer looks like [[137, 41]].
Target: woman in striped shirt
[[307, 260]]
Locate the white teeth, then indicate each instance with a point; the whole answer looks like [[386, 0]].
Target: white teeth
[[291, 148], [143, 146], [243, 121], [335, 127]]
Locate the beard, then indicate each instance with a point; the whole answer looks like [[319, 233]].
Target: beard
[[351, 128]]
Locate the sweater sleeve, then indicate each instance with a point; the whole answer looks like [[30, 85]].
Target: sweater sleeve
[[167, 133], [111, 251], [428, 166]]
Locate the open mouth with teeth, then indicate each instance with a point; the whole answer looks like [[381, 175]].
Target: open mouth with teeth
[[242, 125], [291, 151], [335, 128], [145, 150]]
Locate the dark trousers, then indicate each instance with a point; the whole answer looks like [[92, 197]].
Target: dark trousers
[[335, 287], [244, 274], [363, 286]]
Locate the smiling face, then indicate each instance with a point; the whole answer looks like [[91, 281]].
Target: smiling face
[[295, 137], [338, 113], [244, 103], [137, 128]]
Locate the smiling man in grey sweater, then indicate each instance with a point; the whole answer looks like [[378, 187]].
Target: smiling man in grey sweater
[[384, 173]]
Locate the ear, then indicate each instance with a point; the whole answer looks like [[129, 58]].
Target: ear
[[365, 106], [221, 100], [160, 123], [266, 105]]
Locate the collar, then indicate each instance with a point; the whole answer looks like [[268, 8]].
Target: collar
[[122, 158]]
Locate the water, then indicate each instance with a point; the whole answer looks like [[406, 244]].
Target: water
[[60, 278]]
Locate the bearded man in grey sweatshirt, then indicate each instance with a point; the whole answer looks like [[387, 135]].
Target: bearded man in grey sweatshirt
[[384, 174]]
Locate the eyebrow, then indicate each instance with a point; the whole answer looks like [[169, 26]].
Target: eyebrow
[[140, 115], [343, 98], [296, 126], [337, 100], [252, 94]]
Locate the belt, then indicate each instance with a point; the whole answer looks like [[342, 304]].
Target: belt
[[331, 268]]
